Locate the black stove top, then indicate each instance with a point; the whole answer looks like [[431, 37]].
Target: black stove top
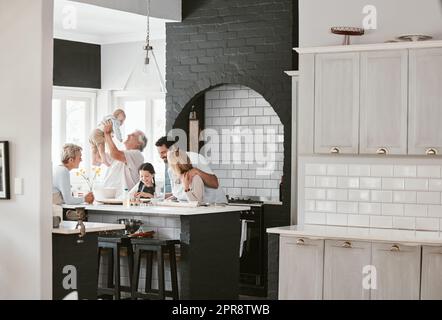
[[245, 200]]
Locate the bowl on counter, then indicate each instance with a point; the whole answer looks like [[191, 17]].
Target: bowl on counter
[[101, 193]]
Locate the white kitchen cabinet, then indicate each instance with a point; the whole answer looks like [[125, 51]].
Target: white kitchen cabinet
[[431, 283], [397, 271], [300, 269], [425, 101], [384, 102], [336, 122], [344, 264]]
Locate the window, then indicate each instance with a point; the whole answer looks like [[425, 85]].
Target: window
[[148, 114], [73, 115]]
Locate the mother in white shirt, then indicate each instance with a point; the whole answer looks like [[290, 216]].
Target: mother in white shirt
[[61, 185], [181, 166]]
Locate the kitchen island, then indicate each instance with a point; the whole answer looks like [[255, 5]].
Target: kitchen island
[[209, 243], [74, 259]]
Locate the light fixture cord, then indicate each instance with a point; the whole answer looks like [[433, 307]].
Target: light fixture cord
[[147, 46]]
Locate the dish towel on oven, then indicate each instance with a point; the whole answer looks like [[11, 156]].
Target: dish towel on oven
[[243, 236]]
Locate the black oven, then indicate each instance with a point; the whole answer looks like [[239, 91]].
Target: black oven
[[253, 280]]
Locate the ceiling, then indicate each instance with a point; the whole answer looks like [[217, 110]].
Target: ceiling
[[102, 25]]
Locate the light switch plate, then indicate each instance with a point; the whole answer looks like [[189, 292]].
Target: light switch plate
[[18, 186]]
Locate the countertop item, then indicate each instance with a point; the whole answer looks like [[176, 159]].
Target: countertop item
[[68, 227], [162, 210], [411, 237]]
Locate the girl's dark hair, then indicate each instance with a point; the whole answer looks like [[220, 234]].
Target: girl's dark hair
[[166, 141], [148, 167]]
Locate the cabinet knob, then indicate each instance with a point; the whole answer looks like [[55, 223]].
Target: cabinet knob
[[382, 151], [395, 248], [300, 242], [335, 150], [346, 244], [431, 152]]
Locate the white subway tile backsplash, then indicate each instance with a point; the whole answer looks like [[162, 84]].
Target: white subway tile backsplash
[[310, 205], [315, 218], [337, 170], [393, 184], [431, 224], [315, 194], [348, 183], [316, 169], [326, 182], [428, 171], [404, 197], [405, 171], [404, 223], [356, 170], [347, 207], [381, 196], [369, 208], [381, 171], [326, 206], [370, 183], [428, 197], [310, 182], [248, 192], [241, 94], [416, 184], [262, 120], [358, 221], [381, 222], [337, 219], [435, 185], [256, 111], [241, 112], [389, 209], [435, 211], [415, 210], [359, 195], [337, 194]]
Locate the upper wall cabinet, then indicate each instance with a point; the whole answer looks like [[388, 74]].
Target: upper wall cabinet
[[384, 102], [371, 99], [425, 130], [337, 103]]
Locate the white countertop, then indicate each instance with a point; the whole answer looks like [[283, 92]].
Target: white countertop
[[411, 237], [68, 227], [162, 210]]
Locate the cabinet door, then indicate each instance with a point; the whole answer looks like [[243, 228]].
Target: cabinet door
[[425, 94], [397, 271], [300, 269], [384, 102], [343, 270], [431, 283], [337, 103]]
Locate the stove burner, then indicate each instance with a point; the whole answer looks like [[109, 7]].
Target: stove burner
[[245, 200]]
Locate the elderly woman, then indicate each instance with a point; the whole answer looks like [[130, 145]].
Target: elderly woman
[[61, 185]]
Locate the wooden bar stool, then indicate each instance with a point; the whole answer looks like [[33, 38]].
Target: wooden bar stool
[[115, 243], [147, 246]]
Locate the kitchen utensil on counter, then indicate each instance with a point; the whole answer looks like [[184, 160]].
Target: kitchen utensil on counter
[[132, 225]]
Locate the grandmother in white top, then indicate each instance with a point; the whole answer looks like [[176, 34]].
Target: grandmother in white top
[[61, 184]]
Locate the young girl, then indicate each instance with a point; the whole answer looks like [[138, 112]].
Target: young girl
[[145, 188]]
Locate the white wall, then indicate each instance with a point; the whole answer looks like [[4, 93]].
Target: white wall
[[26, 89], [395, 17], [164, 9]]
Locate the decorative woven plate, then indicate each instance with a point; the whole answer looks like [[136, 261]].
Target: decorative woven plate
[[350, 31], [414, 37]]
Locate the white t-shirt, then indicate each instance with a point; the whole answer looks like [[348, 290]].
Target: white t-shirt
[[122, 175], [211, 195]]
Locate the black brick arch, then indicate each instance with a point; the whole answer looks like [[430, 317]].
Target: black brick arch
[[245, 42]]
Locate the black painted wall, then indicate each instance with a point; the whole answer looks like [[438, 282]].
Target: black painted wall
[[77, 64], [247, 42]]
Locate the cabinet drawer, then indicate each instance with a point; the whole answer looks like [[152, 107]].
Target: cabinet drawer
[[431, 283]]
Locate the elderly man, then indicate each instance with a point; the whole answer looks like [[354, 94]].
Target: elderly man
[[123, 171]]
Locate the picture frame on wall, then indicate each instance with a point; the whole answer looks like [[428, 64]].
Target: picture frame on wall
[[5, 193]]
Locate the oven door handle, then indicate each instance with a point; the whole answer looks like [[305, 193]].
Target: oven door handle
[[248, 221]]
